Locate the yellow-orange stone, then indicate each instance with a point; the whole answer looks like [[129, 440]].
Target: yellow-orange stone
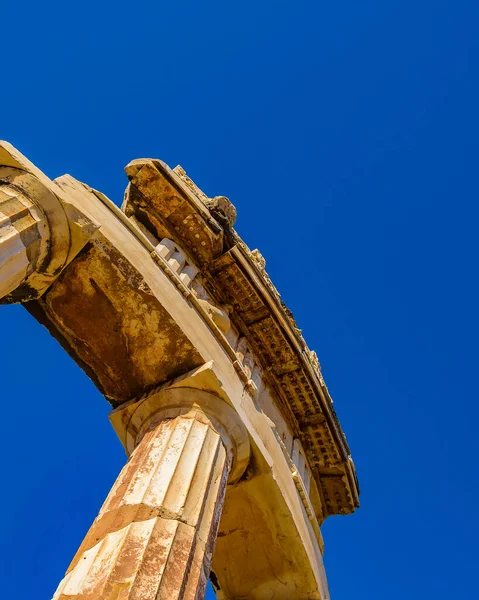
[[236, 455]]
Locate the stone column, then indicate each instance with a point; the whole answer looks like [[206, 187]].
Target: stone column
[[40, 230], [154, 536], [24, 232]]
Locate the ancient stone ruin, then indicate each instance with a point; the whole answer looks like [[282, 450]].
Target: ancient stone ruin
[[236, 455]]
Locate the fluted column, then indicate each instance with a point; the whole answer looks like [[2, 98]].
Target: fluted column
[[154, 536], [40, 230], [24, 234]]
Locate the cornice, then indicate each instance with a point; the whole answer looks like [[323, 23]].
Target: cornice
[[169, 205]]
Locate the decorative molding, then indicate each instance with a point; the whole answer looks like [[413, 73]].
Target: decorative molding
[[170, 205], [200, 390]]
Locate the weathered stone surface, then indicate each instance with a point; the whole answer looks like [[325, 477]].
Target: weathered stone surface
[[154, 536], [40, 232], [23, 238], [238, 279], [115, 325], [159, 200], [179, 325], [257, 555], [105, 313], [284, 357]]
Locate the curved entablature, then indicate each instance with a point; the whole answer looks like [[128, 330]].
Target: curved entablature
[[103, 309], [168, 204], [166, 309]]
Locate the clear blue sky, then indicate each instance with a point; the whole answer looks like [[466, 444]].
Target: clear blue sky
[[346, 134]]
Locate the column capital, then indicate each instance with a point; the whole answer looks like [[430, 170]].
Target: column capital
[[187, 397], [40, 231], [155, 534]]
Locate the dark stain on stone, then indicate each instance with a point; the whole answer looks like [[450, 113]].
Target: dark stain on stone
[[109, 321], [214, 581]]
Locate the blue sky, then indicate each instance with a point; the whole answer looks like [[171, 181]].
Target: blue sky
[[346, 134]]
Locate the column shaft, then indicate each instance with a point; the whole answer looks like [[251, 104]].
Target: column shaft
[[22, 226], [154, 536]]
